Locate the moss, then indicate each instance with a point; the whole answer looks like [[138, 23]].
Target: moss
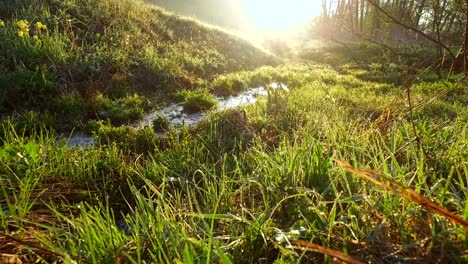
[[160, 123], [118, 111], [126, 138], [229, 85], [199, 102], [196, 101], [92, 126]]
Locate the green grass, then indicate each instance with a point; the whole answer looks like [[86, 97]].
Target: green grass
[[371, 62], [242, 184], [196, 101], [245, 182], [118, 111], [108, 48], [160, 124]]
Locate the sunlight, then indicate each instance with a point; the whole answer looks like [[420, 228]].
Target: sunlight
[[280, 15]]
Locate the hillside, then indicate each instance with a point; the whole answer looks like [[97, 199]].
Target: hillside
[[54, 49]]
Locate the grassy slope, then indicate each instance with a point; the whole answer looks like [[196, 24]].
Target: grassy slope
[[243, 184], [115, 48]]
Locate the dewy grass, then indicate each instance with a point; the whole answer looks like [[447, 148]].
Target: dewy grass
[[19, 202], [247, 185], [112, 48], [195, 202], [196, 101], [160, 124], [19, 160]]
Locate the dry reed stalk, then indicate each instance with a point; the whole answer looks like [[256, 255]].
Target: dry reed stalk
[[403, 191], [308, 246]]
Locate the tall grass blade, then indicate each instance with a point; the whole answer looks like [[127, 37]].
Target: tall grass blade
[[304, 245], [224, 258], [404, 192]]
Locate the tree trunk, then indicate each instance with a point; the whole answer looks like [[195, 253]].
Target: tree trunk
[[465, 46], [419, 12], [459, 62], [361, 18]]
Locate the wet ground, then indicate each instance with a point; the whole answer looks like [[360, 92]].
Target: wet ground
[[177, 117]]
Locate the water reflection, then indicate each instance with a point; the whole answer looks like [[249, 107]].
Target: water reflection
[[177, 117]]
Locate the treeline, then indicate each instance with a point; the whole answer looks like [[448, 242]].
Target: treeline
[[441, 24]]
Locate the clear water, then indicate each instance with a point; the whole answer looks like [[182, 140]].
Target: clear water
[[80, 140], [177, 117]]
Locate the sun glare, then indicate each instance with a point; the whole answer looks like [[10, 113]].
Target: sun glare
[[280, 15]]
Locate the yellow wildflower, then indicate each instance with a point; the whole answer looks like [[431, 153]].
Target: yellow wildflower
[[23, 24], [40, 26], [2, 24], [23, 28]]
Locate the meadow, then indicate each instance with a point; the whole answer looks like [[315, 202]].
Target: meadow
[[272, 182]]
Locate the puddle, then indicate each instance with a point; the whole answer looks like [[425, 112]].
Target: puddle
[[248, 97], [80, 140], [177, 117]]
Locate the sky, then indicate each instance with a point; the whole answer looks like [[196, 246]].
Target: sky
[[280, 15], [253, 18]]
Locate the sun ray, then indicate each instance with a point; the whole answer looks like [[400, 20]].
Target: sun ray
[[280, 15]]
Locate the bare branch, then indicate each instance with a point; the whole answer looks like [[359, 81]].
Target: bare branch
[[396, 21]]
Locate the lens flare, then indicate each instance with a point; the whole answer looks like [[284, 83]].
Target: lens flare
[[280, 15]]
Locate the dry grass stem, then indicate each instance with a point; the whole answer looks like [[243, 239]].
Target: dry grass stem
[[403, 191]]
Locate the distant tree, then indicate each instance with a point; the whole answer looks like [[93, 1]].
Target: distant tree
[[442, 24]]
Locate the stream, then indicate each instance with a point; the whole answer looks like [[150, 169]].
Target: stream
[[177, 117]]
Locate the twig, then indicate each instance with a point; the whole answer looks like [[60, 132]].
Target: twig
[[410, 108], [388, 47], [30, 244], [396, 21], [407, 193], [308, 246]]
